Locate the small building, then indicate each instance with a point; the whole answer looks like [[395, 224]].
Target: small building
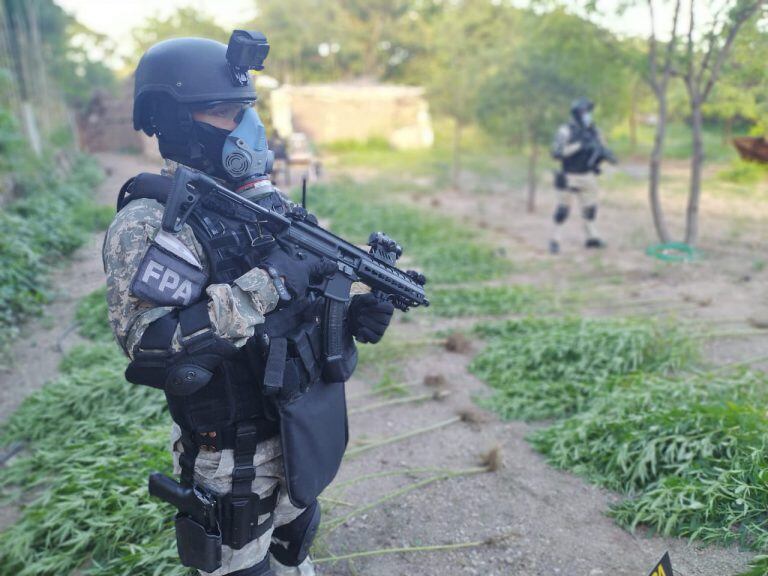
[[106, 124], [349, 112]]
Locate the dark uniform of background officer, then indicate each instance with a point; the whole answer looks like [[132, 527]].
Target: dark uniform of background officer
[[201, 318], [580, 148]]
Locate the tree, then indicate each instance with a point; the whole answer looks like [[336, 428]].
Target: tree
[[659, 76], [186, 21], [466, 39], [701, 71], [376, 39], [740, 93], [558, 57]]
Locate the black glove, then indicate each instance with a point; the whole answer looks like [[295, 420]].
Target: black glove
[[296, 273], [369, 317]]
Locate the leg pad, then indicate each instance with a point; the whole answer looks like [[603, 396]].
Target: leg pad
[[291, 542], [561, 213], [589, 212], [260, 569]]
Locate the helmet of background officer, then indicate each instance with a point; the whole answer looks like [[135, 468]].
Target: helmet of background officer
[[581, 110], [187, 95]]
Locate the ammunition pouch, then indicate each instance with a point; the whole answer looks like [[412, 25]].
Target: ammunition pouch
[[236, 524], [197, 547]]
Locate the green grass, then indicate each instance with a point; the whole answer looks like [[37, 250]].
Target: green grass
[[543, 368], [489, 300], [677, 142], [446, 251], [93, 439], [687, 450], [90, 315], [689, 453], [743, 172]]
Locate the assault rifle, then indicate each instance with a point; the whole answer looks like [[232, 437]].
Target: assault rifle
[[375, 268], [599, 154]]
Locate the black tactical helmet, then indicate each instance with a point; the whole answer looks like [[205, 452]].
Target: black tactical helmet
[[187, 70], [176, 77], [581, 105]]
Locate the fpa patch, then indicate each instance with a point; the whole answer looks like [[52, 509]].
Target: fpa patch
[[663, 568], [166, 279]]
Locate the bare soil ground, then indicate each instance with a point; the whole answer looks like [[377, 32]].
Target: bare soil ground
[[549, 522]]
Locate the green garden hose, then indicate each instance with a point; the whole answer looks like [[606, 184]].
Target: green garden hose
[[673, 252]]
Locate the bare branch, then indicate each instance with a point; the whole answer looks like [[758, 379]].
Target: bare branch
[[689, 71], [652, 56], [670, 52]]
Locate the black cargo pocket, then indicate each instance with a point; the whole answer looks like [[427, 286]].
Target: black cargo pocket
[[313, 430]]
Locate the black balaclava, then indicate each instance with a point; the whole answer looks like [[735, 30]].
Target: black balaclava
[[186, 141], [211, 139]]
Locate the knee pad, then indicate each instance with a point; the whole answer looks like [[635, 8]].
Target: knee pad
[[291, 542], [561, 213], [260, 569], [590, 212]]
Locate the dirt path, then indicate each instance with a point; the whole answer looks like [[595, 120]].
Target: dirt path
[[556, 522], [553, 522]]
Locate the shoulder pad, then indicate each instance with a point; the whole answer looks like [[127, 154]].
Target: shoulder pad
[[145, 185]]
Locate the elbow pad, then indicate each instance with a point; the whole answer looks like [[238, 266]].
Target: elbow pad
[[183, 372]]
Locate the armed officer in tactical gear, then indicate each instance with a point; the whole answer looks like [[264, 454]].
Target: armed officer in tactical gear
[[223, 322], [580, 148]]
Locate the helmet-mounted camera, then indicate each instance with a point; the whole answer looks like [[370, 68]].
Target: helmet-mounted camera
[[247, 50]]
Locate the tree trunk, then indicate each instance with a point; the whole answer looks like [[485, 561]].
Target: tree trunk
[[697, 160], [456, 162], [655, 171], [633, 120], [533, 160]]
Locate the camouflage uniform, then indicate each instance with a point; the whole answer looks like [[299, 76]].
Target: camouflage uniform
[[234, 311]]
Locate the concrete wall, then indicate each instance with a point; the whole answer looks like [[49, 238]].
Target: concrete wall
[[339, 112]]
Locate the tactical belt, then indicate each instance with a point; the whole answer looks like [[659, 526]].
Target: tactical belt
[[225, 438]]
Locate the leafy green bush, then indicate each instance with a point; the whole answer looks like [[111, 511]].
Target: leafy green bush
[[548, 367], [446, 251], [742, 172], [51, 220]]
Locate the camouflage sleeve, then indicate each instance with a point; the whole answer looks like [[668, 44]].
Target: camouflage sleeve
[[562, 147], [233, 310]]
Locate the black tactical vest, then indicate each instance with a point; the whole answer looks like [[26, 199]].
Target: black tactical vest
[[286, 351], [578, 163]]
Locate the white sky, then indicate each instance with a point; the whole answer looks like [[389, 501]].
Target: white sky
[[117, 18]]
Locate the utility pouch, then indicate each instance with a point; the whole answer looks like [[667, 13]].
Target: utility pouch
[[197, 547], [314, 435]]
